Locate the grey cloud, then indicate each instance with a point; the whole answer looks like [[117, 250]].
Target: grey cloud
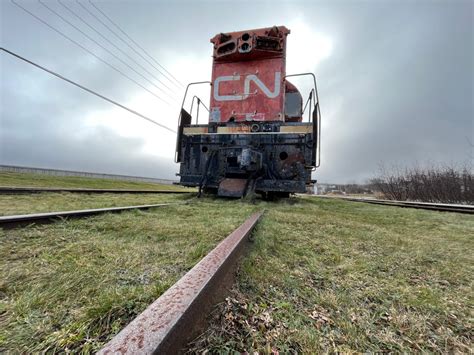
[[26, 139], [399, 81], [102, 152]]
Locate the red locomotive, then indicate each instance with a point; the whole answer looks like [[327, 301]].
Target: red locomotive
[[255, 139]]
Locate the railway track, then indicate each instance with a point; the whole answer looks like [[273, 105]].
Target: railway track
[[8, 222], [30, 190], [168, 324], [441, 207]]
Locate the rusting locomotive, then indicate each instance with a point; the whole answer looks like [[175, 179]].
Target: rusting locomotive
[[256, 138]]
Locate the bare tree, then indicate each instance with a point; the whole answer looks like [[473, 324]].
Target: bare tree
[[446, 183]]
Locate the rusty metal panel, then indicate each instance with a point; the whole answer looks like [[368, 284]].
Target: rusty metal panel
[[248, 75], [168, 323], [232, 187], [274, 156]]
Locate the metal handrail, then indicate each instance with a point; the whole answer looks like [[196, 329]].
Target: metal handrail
[[186, 93], [316, 106], [311, 93], [318, 115], [199, 102], [182, 105]]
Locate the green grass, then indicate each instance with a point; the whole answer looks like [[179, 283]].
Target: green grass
[[50, 202], [322, 276], [40, 180], [337, 276], [72, 285]]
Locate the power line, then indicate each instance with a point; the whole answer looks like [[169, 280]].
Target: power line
[[132, 40], [89, 51], [175, 82], [126, 43], [111, 43], [101, 46], [85, 89]]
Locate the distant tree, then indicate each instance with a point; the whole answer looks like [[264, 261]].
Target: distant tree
[[447, 184]]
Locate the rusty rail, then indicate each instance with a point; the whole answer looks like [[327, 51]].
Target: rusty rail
[[28, 190], [8, 222], [169, 323], [441, 207]]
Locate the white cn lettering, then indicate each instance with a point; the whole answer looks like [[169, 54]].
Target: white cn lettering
[[220, 79], [249, 78]]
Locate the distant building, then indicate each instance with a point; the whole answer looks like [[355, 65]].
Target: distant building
[[322, 189]]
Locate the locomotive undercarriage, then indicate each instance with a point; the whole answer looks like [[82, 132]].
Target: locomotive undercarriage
[[270, 163]]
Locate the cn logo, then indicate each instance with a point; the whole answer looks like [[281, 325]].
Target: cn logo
[[248, 79]]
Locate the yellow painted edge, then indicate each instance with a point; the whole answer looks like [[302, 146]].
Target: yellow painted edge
[[226, 130], [296, 129], [194, 130], [231, 130]]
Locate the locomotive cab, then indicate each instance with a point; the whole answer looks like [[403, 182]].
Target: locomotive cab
[[256, 138], [293, 103]]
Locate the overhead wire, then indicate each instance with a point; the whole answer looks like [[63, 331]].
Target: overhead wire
[[174, 82], [86, 89], [104, 48], [133, 41], [89, 51], [112, 44]]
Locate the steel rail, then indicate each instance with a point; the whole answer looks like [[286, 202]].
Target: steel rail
[[469, 209], [16, 190], [170, 322], [8, 222], [441, 207]]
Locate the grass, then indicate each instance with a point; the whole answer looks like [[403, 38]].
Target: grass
[[72, 285], [337, 276], [40, 180], [49, 202], [322, 276]]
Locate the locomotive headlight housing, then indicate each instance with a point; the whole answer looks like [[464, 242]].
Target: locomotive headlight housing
[[245, 47]]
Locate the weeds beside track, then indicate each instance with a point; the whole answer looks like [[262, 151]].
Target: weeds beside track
[[33, 190], [440, 207], [323, 275], [74, 284], [329, 275], [48, 181], [49, 201]]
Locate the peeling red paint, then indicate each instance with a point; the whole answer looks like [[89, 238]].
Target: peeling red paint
[[242, 69]]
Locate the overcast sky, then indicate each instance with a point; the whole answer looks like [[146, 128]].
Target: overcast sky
[[395, 81]]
